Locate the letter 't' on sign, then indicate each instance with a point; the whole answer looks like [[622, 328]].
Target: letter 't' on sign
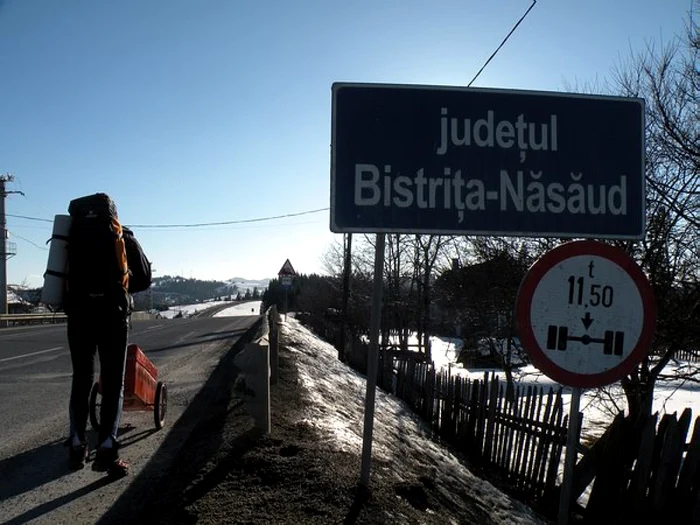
[[586, 314]]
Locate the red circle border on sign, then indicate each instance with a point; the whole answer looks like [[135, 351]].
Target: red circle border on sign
[[524, 320]]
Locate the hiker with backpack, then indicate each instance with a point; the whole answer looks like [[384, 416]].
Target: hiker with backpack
[[105, 265]]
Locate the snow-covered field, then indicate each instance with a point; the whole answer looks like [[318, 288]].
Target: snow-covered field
[[247, 308]]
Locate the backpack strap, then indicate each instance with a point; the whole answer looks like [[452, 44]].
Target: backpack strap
[[120, 249]]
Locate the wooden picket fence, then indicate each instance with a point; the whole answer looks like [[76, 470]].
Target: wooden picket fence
[[692, 356], [647, 472], [516, 439], [643, 473]]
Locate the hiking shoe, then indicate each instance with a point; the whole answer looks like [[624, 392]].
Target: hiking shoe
[[78, 456], [108, 460]]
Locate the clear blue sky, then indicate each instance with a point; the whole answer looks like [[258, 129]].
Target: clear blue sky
[[195, 112]]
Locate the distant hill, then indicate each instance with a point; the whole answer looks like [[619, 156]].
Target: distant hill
[[174, 290], [168, 290]]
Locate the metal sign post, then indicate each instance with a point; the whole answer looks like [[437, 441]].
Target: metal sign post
[[570, 458], [372, 360]]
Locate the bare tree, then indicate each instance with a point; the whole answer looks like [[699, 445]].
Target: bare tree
[[399, 314], [668, 78], [332, 258], [431, 254]]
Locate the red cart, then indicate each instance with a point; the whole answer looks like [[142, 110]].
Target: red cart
[[142, 390]]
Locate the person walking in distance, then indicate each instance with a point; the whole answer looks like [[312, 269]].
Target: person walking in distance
[[98, 304]]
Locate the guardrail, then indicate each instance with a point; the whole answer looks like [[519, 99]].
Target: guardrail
[[53, 318], [18, 319], [257, 362]]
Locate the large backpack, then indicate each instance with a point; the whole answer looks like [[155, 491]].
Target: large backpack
[[139, 265], [97, 263]]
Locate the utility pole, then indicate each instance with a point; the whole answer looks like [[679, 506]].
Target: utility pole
[[7, 249]]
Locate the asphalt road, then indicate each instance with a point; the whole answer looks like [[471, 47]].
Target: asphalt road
[[35, 372]]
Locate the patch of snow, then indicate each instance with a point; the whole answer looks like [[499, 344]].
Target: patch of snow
[[188, 310], [247, 308], [401, 441]]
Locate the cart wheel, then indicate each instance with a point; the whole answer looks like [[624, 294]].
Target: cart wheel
[[161, 404], [95, 404]]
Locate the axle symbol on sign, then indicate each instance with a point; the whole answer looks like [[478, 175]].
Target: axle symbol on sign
[[558, 338]]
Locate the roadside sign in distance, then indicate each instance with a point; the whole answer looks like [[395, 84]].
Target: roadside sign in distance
[[287, 269], [586, 314]]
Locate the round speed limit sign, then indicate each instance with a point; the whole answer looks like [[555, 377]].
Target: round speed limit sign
[[586, 314]]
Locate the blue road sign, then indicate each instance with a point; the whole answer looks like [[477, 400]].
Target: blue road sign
[[286, 281], [425, 159]]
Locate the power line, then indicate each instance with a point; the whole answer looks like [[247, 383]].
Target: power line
[[28, 218], [502, 43], [224, 223], [30, 242], [200, 224]]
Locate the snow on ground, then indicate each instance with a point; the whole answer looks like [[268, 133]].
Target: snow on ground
[[247, 308], [401, 442], [186, 310]]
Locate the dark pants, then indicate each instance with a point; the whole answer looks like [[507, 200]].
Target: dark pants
[[104, 332]]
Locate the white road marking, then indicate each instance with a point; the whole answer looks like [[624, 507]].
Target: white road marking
[[31, 354]]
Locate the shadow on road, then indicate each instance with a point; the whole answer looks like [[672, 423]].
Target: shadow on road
[[33, 468], [175, 462], [49, 506], [198, 340], [130, 439], [40, 466]]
